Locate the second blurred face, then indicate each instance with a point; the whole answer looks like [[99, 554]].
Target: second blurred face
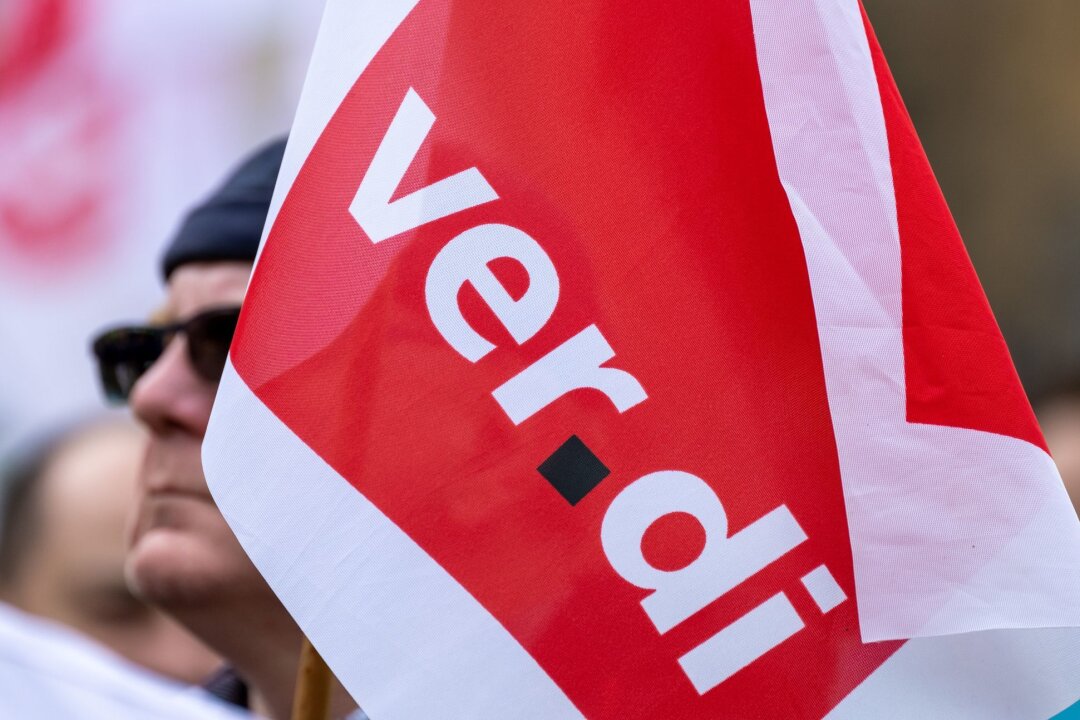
[[183, 557], [73, 572]]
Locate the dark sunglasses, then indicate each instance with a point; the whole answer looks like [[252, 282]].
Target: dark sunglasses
[[125, 353]]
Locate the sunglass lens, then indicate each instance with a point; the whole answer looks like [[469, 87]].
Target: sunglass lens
[[123, 356], [209, 336]]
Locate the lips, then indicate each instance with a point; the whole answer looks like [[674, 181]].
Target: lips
[[166, 492], [163, 504]]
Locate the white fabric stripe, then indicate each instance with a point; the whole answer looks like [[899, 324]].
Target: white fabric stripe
[[404, 637], [998, 675], [351, 33], [951, 530]]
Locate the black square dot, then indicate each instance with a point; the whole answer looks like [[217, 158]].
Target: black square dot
[[573, 470]]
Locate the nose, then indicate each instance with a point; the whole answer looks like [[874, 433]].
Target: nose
[[170, 396]]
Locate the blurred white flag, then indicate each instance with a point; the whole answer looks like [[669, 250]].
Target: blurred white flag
[[114, 118]]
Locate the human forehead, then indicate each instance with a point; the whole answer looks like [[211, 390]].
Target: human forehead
[[195, 287]]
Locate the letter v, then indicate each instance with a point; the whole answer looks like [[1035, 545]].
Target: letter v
[[371, 207]]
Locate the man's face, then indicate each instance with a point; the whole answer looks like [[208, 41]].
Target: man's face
[[182, 554]]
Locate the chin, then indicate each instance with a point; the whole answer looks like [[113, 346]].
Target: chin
[[175, 570]]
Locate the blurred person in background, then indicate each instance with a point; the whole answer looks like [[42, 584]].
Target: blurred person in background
[[183, 557], [62, 546], [113, 116], [1059, 416]]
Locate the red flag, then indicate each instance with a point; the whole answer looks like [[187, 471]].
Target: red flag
[[599, 314]]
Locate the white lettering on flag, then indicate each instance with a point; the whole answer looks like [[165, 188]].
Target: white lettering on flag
[[577, 363], [382, 219], [465, 259], [724, 562], [741, 643]]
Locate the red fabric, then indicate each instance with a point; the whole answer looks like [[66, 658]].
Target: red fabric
[[959, 371], [632, 144]]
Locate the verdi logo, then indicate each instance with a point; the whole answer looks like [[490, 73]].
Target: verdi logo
[[544, 363]]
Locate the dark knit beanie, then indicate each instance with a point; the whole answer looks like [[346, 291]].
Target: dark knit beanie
[[228, 225]]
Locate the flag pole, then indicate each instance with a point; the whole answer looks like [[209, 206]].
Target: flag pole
[[313, 679]]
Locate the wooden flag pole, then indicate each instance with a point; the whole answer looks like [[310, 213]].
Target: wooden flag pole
[[313, 680]]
